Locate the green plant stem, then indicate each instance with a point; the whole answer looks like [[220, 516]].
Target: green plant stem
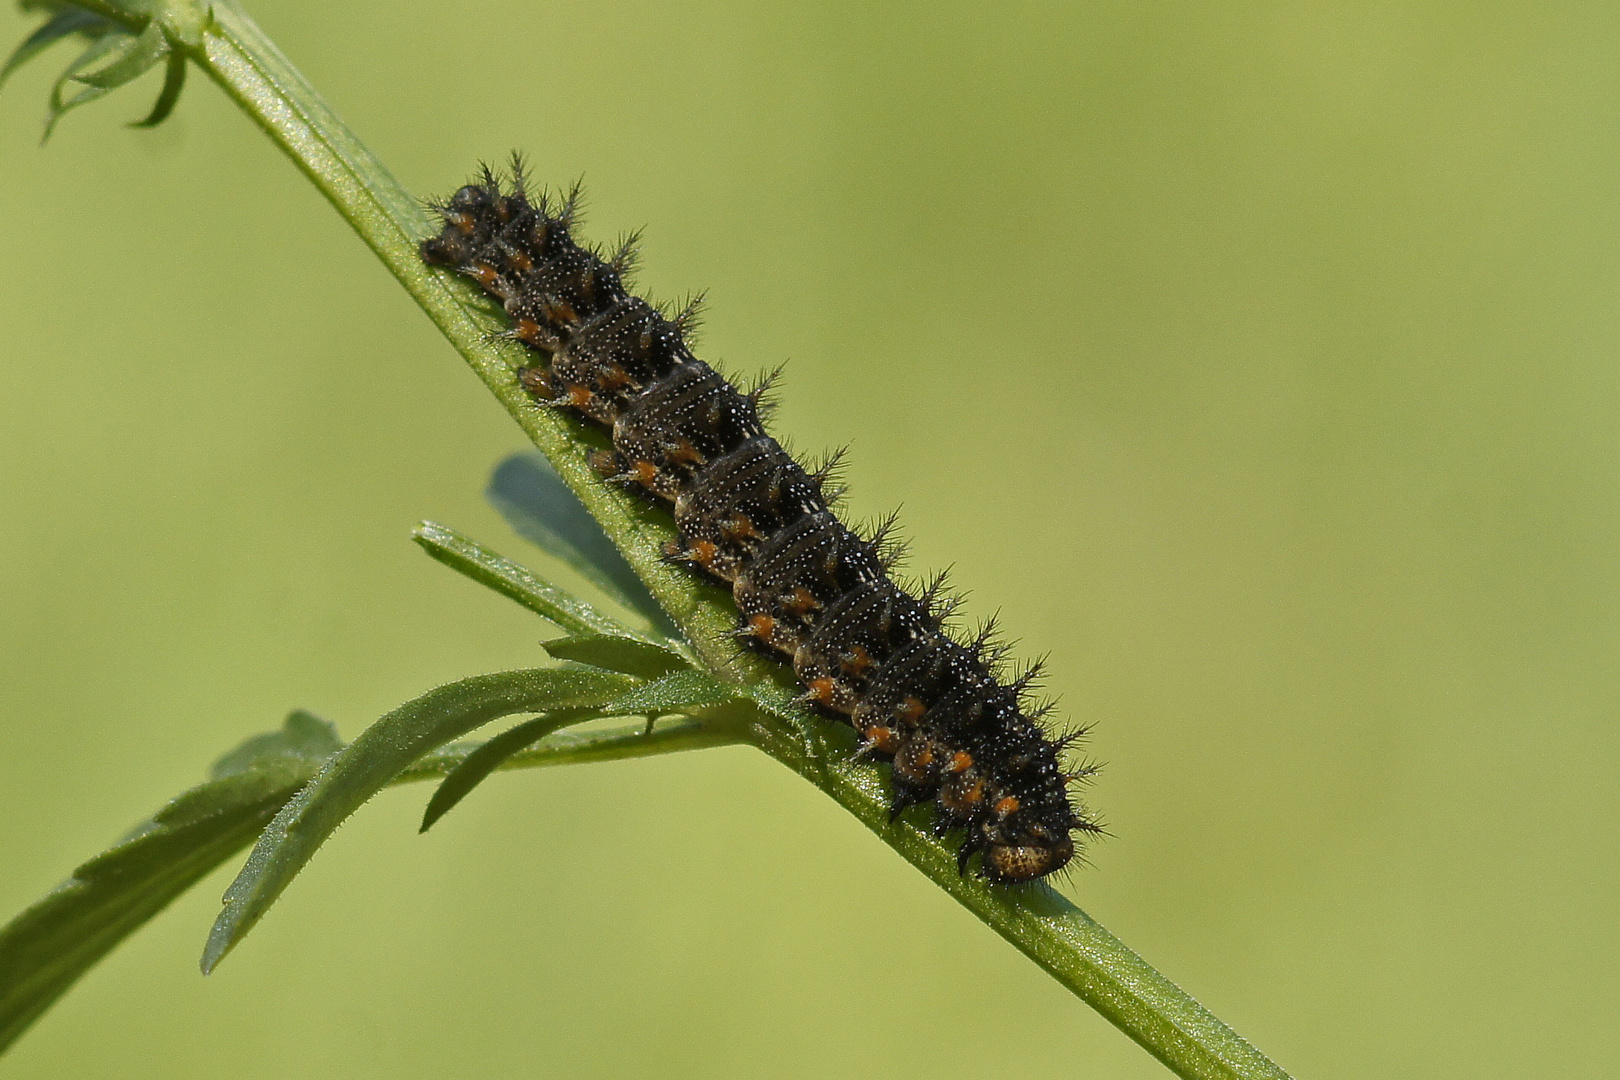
[[1077, 951]]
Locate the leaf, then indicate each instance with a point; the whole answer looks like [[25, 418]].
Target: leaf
[[303, 736], [116, 58], [174, 81], [541, 509], [682, 689], [672, 693], [46, 948], [382, 751], [108, 45], [584, 747], [132, 58], [483, 761], [632, 656], [61, 25], [778, 700], [515, 582]]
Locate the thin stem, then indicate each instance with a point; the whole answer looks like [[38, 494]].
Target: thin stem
[[1062, 939]]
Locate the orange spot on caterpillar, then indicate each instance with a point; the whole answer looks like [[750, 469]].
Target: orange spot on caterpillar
[[738, 527], [883, 739], [858, 661], [683, 452], [914, 761], [559, 311], [962, 799], [703, 552]]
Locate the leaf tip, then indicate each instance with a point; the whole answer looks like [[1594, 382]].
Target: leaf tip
[[437, 807], [220, 943]]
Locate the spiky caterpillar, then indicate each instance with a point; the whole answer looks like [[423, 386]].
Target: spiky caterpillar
[[808, 588]]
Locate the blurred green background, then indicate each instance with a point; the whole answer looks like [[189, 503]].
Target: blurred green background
[[1257, 361]]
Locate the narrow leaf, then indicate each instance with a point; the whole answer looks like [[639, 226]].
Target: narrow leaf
[[779, 699], [46, 948], [174, 81], [486, 759], [506, 577], [382, 751], [104, 47], [60, 25], [584, 747], [682, 690], [632, 656], [134, 57], [540, 508], [303, 736]]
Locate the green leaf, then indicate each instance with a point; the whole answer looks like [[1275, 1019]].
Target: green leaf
[[541, 509], [117, 57], [174, 81], [382, 751], [103, 48], [132, 58], [632, 656], [304, 737], [584, 747], [516, 582], [44, 950], [682, 690], [62, 24], [484, 760], [779, 698]]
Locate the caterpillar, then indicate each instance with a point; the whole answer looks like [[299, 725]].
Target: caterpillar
[[955, 731]]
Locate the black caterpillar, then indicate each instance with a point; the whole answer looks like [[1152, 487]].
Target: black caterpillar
[[808, 588]]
